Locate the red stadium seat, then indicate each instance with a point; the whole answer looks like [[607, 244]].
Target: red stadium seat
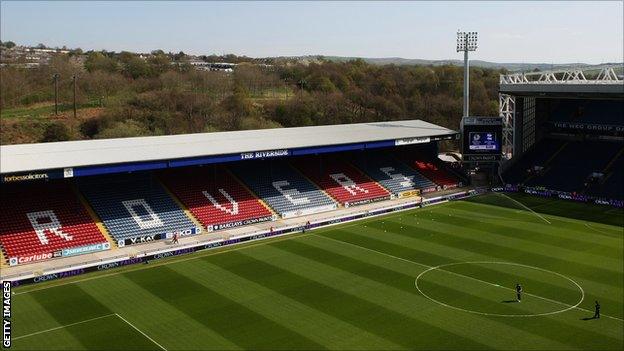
[[215, 197], [41, 220], [434, 173], [342, 181]]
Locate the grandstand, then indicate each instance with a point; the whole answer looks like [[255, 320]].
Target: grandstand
[[568, 132], [120, 191]]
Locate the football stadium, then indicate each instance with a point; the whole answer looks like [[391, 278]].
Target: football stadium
[[329, 237]]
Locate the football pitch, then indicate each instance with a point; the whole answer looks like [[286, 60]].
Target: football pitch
[[440, 277]]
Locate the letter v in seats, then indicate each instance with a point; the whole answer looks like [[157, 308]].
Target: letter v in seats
[[215, 203]]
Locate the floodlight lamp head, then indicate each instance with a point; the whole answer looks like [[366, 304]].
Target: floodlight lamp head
[[466, 41]]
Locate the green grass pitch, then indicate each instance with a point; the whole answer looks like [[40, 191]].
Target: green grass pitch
[[355, 286]]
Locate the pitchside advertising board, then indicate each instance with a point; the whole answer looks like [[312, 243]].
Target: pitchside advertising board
[[72, 251], [149, 238], [482, 139]]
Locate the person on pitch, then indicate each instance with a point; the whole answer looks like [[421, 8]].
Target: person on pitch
[[518, 292], [597, 311]]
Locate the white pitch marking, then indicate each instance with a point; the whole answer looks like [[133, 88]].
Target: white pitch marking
[[598, 230], [500, 314], [139, 330], [523, 205], [461, 275], [62, 326]]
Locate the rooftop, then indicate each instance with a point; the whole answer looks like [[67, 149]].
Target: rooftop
[[58, 155]]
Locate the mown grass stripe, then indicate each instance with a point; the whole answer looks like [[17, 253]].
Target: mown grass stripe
[[427, 238], [234, 321], [317, 325], [285, 278], [520, 237], [148, 312], [571, 238], [452, 235], [362, 257]]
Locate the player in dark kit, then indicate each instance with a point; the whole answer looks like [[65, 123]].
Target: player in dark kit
[[518, 292], [597, 313]]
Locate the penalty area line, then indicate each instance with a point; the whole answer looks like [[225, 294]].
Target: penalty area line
[[139, 330], [525, 206]]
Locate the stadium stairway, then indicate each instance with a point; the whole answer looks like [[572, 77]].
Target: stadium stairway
[[240, 181], [571, 168], [95, 218], [3, 261], [320, 188], [611, 186], [430, 169], [186, 210], [341, 181], [215, 197], [135, 207], [546, 163], [283, 188], [46, 220], [608, 167], [396, 177]]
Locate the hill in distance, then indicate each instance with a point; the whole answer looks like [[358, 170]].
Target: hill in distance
[[510, 66]]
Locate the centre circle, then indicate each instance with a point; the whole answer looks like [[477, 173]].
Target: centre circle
[[565, 306]]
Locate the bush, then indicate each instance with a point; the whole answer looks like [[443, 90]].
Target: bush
[[55, 132], [123, 129]]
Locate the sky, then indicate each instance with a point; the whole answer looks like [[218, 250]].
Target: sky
[[522, 32]]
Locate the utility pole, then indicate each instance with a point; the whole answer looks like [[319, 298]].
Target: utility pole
[[74, 78], [56, 78], [466, 41]]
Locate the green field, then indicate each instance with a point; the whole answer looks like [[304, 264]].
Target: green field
[[355, 286]]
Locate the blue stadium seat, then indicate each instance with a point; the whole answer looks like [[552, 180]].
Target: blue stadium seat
[[392, 174], [282, 188], [134, 206]]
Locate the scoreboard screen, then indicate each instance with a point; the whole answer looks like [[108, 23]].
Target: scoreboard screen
[[482, 139]]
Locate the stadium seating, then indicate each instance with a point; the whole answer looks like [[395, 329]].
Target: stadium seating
[[612, 186], [609, 112], [342, 181], [429, 168], [539, 156], [567, 165], [215, 197], [282, 188], [571, 167], [392, 174], [135, 208], [39, 220]]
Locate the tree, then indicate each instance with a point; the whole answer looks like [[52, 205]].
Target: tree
[[75, 52], [137, 68], [96, 61], [179, 56], [8, 44], [160, 63]]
